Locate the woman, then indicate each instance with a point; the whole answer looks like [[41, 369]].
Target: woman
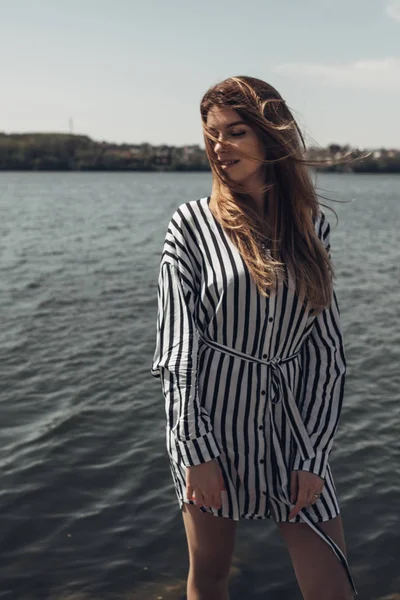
[[249, 349]]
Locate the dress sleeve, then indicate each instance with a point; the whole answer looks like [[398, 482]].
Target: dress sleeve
[[324, 367], [175, 360]]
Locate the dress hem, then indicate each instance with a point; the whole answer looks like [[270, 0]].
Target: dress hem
[[256, 517]]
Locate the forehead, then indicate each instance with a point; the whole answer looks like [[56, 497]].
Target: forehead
[[218, 118]]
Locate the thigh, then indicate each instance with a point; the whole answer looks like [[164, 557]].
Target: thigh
[[210, 541], [319, 573]]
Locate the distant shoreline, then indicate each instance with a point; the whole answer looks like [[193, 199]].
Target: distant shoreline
[[71, 153]]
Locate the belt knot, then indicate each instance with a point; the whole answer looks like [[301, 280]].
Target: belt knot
[[274, 362], [283, 394]]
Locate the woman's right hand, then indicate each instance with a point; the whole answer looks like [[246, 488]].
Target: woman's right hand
[[204, 484]]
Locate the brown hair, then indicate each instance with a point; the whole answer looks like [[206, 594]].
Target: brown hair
[[293, 206]]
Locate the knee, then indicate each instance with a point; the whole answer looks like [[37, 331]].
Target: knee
[[209, 574]]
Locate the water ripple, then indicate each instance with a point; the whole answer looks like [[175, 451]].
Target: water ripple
[[88, 506]]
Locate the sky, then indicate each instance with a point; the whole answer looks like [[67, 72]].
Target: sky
[[134, 71]]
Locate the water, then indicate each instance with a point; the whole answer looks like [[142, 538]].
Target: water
[[87, 508]]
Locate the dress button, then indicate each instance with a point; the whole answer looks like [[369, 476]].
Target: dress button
[[270, 319], [263, 392], [261, 427], [262, 461], [265, 355], [265, 493]]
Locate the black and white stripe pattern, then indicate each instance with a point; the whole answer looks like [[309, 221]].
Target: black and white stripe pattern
[[223, 398]]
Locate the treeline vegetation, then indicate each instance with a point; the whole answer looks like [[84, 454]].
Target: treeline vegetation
[[68, 152]]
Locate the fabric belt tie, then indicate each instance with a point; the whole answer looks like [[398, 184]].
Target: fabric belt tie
[[283, 393]]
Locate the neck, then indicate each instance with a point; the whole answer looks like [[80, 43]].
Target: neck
[[260, 196], [261, 202]]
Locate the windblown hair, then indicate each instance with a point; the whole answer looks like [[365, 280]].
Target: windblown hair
[[290, 235]]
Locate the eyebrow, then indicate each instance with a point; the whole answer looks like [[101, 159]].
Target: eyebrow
[[229, 125]]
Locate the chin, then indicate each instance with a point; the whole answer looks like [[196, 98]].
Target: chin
[[243, 179], [239, 177]]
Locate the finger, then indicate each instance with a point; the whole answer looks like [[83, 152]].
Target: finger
[[189, 492], [316, 497], [301, 503], [293, 486], [199, 499], [310, 498], [208, 500], [295, 510], [217, 500]]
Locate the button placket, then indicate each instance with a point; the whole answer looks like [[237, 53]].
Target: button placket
[[260, 426], [270, 311]]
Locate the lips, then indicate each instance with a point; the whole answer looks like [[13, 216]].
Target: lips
[[228, 163]]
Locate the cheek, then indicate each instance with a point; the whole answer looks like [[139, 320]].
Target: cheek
[[261, 154], [255, 149]]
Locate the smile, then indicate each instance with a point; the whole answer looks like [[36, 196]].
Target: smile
[[228, 163]]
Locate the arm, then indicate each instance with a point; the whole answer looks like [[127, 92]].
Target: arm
[[324, 368], [176, 361]]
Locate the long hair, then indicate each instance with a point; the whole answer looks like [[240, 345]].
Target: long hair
[[290, 236]]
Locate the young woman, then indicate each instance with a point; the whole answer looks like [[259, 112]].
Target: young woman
[[249, 349]]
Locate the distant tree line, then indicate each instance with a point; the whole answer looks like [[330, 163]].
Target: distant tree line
[[345, 159], [68, 152]]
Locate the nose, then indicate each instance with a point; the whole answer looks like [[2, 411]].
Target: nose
[[217, 145], [220, 146]]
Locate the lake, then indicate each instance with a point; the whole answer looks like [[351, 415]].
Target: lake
[[87, 507]]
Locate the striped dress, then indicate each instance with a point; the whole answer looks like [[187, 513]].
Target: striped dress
[[255, 383]]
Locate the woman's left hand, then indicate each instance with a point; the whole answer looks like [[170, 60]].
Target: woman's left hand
[[303, 486]]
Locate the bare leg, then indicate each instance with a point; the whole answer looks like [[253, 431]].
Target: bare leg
[[210, 542], [319, 573]]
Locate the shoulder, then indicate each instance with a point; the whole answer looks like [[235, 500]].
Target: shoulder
[[181, 240], [187, 217], [187, 222]]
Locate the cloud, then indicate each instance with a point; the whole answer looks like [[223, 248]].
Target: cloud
[[393, 10], [379, 74]]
